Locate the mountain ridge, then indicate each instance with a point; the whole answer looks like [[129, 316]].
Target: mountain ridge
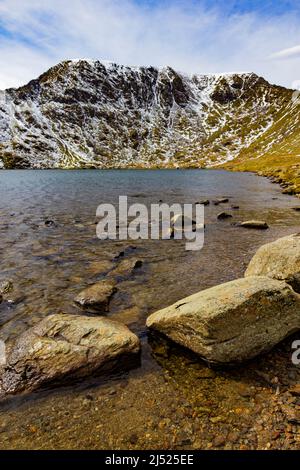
[[94, 114]]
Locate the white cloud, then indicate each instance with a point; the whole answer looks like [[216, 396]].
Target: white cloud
[[291, 52], [183, 34]]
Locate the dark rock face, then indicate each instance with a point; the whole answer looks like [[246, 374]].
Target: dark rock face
[[224, 94], [92, 114]]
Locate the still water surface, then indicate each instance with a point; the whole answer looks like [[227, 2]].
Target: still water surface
[[156, 405]]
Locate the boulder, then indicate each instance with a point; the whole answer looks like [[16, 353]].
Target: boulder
[[278, 260], [256, 224], [97, 296], [65, 347], [232, 322]]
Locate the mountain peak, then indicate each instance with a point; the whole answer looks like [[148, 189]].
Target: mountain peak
[[86, 112]]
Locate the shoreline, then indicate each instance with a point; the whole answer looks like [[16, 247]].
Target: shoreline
[[279, 170]]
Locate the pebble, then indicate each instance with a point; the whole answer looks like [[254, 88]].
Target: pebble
[[219, 441]]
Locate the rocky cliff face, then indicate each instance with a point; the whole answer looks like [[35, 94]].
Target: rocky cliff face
[[94, 114]]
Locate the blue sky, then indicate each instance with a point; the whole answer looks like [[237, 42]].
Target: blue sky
[[193, 36]]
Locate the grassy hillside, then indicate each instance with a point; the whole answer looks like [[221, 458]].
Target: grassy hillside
[[276, 153]]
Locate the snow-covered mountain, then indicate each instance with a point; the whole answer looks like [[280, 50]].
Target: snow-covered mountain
[[97, 114]]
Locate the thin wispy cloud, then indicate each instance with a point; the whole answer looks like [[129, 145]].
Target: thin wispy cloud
[[291, 52], [197, 36]]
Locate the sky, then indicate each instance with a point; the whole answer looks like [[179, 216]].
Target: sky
[[192, 36]]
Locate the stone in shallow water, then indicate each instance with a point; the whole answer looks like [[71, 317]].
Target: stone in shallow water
[[278, 260], [98, 295], [6, 287], [100, 266], [204, 202], [66, 346], [126, 267], [256, 224], [232, 322], [223, 216], [222, 200]]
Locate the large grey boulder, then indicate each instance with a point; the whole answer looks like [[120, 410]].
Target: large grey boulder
[[232, 322], [65, 346], [278, 260]]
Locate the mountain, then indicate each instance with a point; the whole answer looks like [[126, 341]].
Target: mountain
[[86, 113]]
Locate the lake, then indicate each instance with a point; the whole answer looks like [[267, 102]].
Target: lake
[[173, 400]]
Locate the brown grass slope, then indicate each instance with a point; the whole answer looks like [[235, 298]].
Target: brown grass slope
[[276, 153]]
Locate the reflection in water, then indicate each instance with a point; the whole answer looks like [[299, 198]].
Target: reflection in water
[[173, 399]]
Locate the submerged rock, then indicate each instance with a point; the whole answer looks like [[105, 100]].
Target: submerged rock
[[65, 346], [101, 266], [98, 295], [256, 224], [126, 267], [232, 322], [128, 315], [179, 221], [6, 287], [50, 223], [168, 234], [278, 260], [224, 215], [205, 202], [222, 200]]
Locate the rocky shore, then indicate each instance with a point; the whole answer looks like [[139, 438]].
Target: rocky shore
[[225, 325], [280, 169], [65, 347]]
